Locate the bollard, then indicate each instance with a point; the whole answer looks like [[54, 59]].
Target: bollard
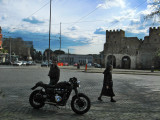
[[152, 68], [78, 66], [86, 67]]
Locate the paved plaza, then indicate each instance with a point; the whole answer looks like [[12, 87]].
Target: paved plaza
[[137, 96]]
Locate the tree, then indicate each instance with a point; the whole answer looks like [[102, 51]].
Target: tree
[[155, 5], [37, 56], [18, 47], [46, 54], [3, 50], [58, 52]]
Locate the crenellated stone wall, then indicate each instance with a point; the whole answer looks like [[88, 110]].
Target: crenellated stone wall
[[130, 52]]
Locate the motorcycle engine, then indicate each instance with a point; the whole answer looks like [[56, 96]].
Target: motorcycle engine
[[58, 98], [59, 94]]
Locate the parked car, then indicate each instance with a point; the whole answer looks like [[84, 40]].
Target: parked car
[[75, 64], [30, 63], [89, 65], [24, 62], [97, 65], [65, 64], [33, 63], [6, 63], [44, 64], [17, 63]]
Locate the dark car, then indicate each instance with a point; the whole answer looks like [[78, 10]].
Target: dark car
[[30, 63], [44, 64], [97, 66], [6, 63]]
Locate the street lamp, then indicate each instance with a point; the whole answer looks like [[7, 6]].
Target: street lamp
[[10, 49], [49, 31]]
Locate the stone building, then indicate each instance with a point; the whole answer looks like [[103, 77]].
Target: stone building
[[74, 58], [130, 52]]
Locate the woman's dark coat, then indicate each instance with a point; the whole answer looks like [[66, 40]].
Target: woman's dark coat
[[107, 82]]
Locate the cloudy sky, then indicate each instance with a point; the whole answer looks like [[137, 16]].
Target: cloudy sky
[[84, 22]]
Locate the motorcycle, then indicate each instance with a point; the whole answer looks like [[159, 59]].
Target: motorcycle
[[59, 94]]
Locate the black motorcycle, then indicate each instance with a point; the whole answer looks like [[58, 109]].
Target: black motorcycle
[[59, 94]]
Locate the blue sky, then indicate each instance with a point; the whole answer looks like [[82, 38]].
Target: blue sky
[[84, 22]]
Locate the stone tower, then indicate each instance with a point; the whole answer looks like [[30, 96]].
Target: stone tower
[[150, 45]]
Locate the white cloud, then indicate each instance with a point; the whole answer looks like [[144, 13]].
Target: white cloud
[[100, 30], [107, 4], [73, 28], [94, 47], [87, 49], [4, 1], [118, 14]]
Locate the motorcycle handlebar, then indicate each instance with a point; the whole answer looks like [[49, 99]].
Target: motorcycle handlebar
[[34, 87]]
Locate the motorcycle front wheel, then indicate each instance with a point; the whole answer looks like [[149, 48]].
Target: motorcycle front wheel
[[36, 99], [80, 105]]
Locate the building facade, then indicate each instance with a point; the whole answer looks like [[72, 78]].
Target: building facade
[[130, 52], [73, 58]]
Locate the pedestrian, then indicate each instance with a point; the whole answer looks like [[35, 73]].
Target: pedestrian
[[54, 73], [107, 89]]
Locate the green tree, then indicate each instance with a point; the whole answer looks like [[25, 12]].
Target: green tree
[[3, 50]]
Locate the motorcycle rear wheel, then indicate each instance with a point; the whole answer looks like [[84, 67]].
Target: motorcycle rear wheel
[[82, 105], [36, 99]]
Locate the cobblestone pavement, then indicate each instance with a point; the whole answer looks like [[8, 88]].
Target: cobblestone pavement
[[138, 96]]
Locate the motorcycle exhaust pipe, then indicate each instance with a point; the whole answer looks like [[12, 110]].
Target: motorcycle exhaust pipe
[[50, 103]]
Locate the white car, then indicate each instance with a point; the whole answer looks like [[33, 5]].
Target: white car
[[17, 63], [89, 65], [24, 62]]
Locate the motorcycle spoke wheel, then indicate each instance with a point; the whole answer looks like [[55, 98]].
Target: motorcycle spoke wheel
[[81, 104], [36, 99]]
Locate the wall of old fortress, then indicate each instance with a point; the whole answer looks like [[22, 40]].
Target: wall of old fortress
[[140, 53]]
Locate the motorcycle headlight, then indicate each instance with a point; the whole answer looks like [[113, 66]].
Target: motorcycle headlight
[[43, 90], [78, 84]]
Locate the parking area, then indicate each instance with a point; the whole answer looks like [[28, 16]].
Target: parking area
[[137, 96]]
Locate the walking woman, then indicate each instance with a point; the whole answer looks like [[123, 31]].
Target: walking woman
[[107, 89]]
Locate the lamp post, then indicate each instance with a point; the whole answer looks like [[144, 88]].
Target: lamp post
[[10, 49], [49, 32]]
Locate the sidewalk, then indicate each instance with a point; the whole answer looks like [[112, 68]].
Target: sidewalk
[[115, 71]]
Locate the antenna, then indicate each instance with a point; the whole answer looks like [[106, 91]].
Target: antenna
[[60, 36]]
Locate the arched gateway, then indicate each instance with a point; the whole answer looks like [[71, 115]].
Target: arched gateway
[[126, 62]]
